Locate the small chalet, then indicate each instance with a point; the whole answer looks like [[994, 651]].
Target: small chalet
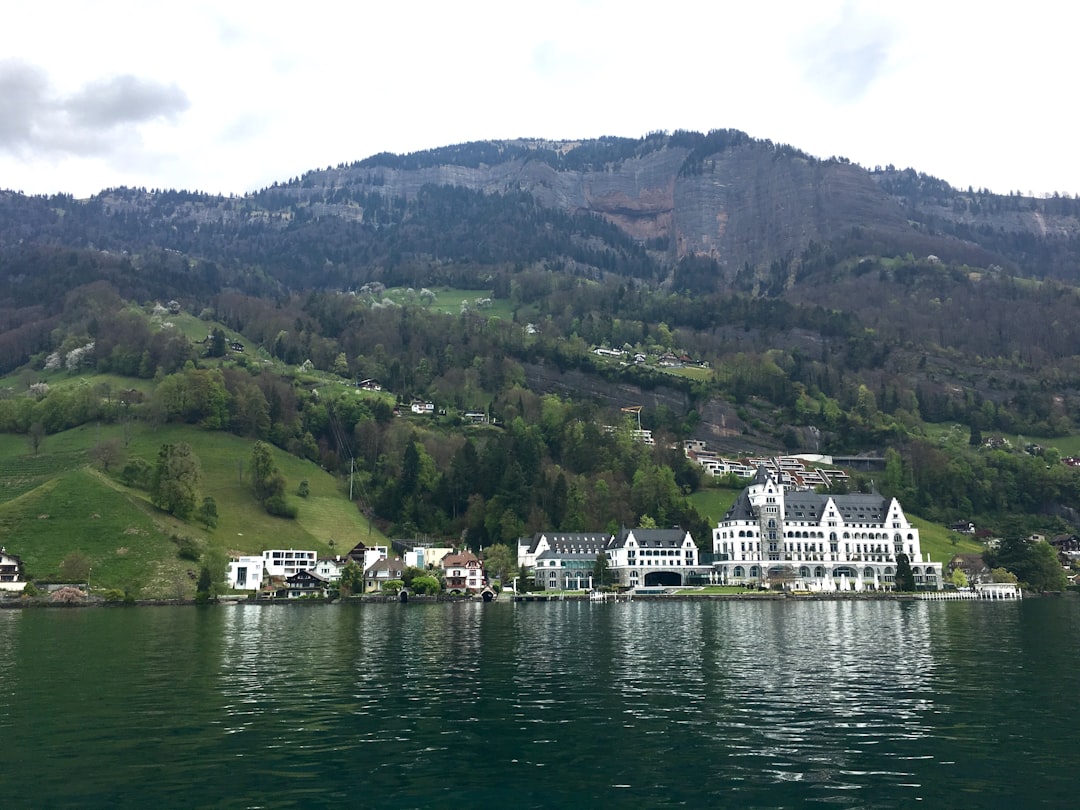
[[423, 408], [303, 583], [11, 572], [463, 572]]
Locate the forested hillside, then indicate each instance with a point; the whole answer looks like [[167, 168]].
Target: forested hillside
[[811, 305]]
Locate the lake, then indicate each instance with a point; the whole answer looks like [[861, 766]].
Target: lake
[[532, 705]]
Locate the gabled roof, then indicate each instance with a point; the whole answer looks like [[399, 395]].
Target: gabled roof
[[465, 559], [393, 565], [303, 576]]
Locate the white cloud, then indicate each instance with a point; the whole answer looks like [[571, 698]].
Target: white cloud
[[231, 96]]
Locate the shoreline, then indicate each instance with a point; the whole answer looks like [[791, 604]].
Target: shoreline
[[35, 603]]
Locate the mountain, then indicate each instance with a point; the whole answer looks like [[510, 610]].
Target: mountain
[[695, 211], [543, 303]]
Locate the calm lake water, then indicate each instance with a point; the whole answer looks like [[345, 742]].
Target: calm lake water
[[679, 704]]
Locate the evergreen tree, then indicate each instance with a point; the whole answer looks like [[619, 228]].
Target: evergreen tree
[[905, 579]]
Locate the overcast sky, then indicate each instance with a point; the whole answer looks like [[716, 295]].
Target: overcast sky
[[229, 96]]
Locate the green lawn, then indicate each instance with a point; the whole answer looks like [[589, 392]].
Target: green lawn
[[712, 503], [938, 541]]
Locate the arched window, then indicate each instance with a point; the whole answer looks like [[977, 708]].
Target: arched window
[[738, 570]]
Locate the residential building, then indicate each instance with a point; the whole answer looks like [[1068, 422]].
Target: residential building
[[301, 584], [382, 571], [11, 572], [251, 573], [807, 541], [463, 572], [286, 562], [329, 568], [245, 573]]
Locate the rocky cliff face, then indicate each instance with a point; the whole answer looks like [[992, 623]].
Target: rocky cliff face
[[752, 207]]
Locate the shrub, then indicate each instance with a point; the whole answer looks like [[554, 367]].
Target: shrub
[[186, 548], [279, 507]]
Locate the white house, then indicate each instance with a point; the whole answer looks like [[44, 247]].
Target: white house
[[250, 573], [11, 572], [329, 568], [807, 541], [245, 573], [464, 572]]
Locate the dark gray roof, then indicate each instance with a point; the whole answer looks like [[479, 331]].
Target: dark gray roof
[[650, 538], [571, 542], [856, 508]]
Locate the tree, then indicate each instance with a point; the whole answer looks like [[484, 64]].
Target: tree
[[208, 513], [176, 480], [75, 567], [36, 435], [959, 578], [352, 579], [217, 343], [498, 561], [204, 585], [107, 453], [268, 483], [905, 579], [426, 584], [600, 568]]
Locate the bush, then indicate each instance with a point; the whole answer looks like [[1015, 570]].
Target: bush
[[304, 489], [279, 507], [187, 548], [115, 595]]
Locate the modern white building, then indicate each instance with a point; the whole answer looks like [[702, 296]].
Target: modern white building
[[245, 573], [249, 573], [806, 541]]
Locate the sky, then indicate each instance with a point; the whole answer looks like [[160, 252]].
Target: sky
[[230, 96]]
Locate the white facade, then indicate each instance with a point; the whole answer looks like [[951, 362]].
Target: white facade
[[808, 541], [329, 568], [245, 573], [652, 557], [250, 573], [286, 562], [11, 573]]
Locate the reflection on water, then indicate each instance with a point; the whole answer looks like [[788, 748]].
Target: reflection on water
[[761, 704]]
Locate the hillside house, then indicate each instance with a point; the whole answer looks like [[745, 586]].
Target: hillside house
[[11, 572]]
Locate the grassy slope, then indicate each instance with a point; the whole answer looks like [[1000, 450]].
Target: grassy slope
[[124, 539], [712, 503], [58, 483]]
